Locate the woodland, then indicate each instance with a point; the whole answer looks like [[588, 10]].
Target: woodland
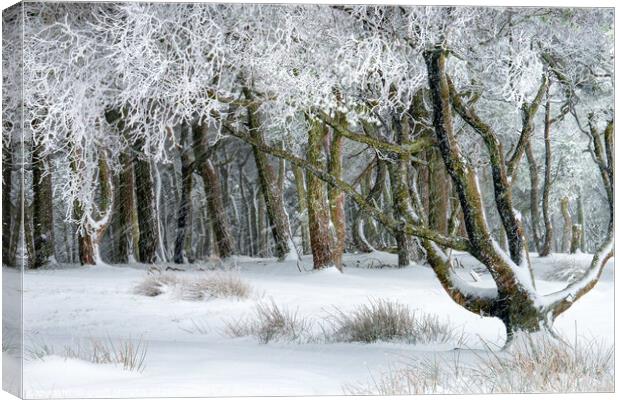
[[178, 134]]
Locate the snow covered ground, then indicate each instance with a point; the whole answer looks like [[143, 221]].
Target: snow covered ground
[[189, 355]]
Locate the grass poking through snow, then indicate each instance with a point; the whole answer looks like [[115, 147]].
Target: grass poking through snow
[[271, 323], [131, 354], [385, 320], [532, 364], [211, 284], [381, 320]]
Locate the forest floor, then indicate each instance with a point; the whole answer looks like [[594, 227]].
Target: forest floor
[[189, 353]]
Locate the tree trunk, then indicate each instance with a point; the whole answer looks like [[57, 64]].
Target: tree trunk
[[302, 208], [206, 233], [400, 194], [439, 188], [512, 304], [582, 223], [263, 239], [28, 236], [318, 213], [568, 224], [534, 195], [86, 249], [546, 247], [215, 203], [576, 238], [145, 207], [363, 229], [185, 206], [42, 205], [271, 189], [9, 211], [213, 191], [124, 208], [336, 198]]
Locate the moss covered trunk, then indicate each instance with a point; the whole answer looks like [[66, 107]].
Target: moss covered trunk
[[439, 188], [336, 198], [145, 206], [318, 212], [514, 304], [271, 189]]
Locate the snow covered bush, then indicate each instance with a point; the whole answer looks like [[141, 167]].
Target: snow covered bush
[[272, 323], [154, 285], [532, 364], [216, 285], [385, 320], [195, 288]]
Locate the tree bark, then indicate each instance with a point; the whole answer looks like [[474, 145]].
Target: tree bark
[[42, 204], [302, 208], [215, 203], [145, 205], [363, 230], [399, 180], [575, 238], [582, 223], [95, 224], [318, 213], [213, 191], [124, 209], [546, 247], [534, 195], [28, 236], [185, 206], [513, 304], [9, 211], [439, 188], [568, 224], [336, 198], [271, 189]]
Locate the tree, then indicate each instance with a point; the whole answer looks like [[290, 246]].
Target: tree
[[42, 212], [185, 206]]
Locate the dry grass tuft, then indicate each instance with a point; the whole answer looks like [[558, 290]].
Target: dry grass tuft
[[216, 285], [271, 323], [385, 320], [535, 364], [154, 285], [126, 352], [210, 284], [543, 364]]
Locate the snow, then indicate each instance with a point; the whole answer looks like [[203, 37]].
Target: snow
[[292, 251], [79, 303]]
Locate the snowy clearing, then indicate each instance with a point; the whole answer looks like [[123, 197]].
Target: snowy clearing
[[190, 355]]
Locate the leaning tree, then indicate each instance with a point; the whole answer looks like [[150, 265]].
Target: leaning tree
[[471, 64]]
